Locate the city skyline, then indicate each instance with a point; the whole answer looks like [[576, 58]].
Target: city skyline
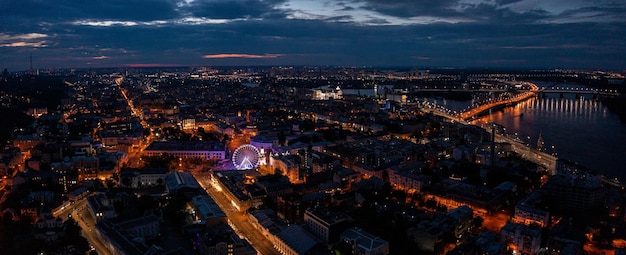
[[465, 33]]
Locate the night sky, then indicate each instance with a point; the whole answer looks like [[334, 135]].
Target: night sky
[[413, 33]]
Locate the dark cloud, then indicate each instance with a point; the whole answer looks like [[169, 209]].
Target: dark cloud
[[489, 14], [603, 14], [347, 8], [40, 10], [232, 9], [412, 8], [505, 2], [491, 36], [342, 18]]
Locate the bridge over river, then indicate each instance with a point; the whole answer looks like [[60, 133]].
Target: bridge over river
[[518, 146], [534, 91], [505, 102], [578, 91], [539, 157], [539, 90]]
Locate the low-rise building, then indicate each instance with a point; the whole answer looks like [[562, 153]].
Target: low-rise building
[[207, 150], [48, 228], [575, 192], [295, 240], [243, 196], [222, 240], [408, 178], [123, 136], [75, 169], [345, 177], [267, 222], [363, 243], [100, 207], [145, 227], [182, 184], [135, 178], [288, 165], [429, 234], [529, 211], [526, 240], [119, 242], [206, 211], [326, 224]]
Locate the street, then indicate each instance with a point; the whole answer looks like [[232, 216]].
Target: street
[[81, 215], [238, 220]]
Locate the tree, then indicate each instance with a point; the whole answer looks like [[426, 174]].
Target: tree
[[126, 181], [73, 236], [282, 138], [478, 222], [173, 210], [146, 132], [399, 195], [146, 202], [307, 124], [110, 183]]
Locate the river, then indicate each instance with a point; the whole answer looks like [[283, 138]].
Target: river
[[580, 130]]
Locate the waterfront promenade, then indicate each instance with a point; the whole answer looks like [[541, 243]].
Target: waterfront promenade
[[539, 157]]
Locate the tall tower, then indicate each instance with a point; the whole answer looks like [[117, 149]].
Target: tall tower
[[493, 145], [375, 89], [31, 63], [540, 142]]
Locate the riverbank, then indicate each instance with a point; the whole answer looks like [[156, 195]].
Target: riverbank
[[581, 130], [617, 105]]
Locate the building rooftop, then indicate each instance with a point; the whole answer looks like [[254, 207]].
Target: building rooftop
[[178, 180], [186, 146], [327, 216], [298, 239], [207, 208], [126, 224], [269, 220], [363, 239], [134, 246], [577, 180], [523, 229]]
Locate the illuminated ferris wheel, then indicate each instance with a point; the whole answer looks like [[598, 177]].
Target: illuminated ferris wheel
[[246, 157]]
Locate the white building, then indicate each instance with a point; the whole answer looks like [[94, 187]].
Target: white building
[[407, 181], [326, 224], [208, 150], [136, 178], [326, 93], [288, 166], [294, 240], [527, 240]]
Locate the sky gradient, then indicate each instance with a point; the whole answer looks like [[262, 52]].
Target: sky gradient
[[435, 33]]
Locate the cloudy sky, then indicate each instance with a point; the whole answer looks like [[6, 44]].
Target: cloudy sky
[[413, 33]]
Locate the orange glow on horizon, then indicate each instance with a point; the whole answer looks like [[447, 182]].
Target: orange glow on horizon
[[237, 55], [150, 65]]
